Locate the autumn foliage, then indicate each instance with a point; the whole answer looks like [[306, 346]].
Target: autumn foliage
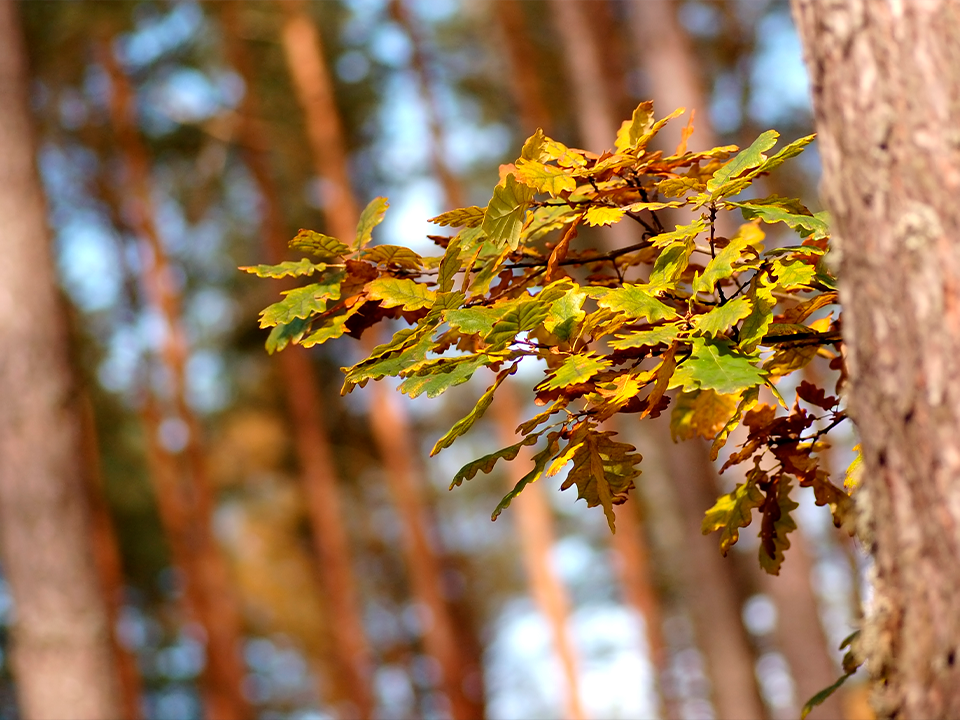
[[682, 321]]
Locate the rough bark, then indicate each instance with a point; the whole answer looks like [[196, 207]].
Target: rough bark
[[886, 91], [183, 474], [61, 651]]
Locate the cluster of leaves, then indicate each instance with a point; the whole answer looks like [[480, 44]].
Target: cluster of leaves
[[682, 318]]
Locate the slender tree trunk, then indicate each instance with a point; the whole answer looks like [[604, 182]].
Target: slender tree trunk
[[421, 68], [534, 519], [108, 561], [521, 68], [885, 79], [710, 588], [631, 556], [214, 599], [61, 651], [800, 634], [391, 427], [330, 539]]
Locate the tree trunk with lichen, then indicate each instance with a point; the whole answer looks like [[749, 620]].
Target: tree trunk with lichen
[[886, 91]]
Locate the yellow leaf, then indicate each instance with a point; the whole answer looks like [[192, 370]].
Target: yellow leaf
[[600, 215]]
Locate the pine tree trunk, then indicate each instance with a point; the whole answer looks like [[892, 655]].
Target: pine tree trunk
[[534, 519], [389, 423], [329, 534], [108, 562], [61, 652], [185, 476], [631, 556], [886, 82]]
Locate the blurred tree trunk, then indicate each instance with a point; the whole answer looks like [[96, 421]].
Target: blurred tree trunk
[[185, 479], [665, 52], [391, 428], [534, 518], [631, 557], [710, 586], [885, 79], [108, 561], [61, 653], [422, 70], [304, 400]]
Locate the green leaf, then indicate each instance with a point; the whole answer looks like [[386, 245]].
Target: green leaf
[[504, 217], [713, 365], [603, 470], [682, 232], [450, 265], [323, 246], [654, 336], [464, 424], [763, 302], [290, 268], [636, 127], [407, 350], [474, 320], [732, 512], [334, 328], [723, 317], [602, 215], [545, 219], [823, 695], [575, 369], [672, 262], [545, 178], [793, 274], [394, 292], [487, 462], [775, 525], [283, 335], [302, 302], [679, 186], [468, 217], [787, 152], [371, 216], [444, 374], [741, 163], [565, 314], [701, 412], [637, 302], [785, 210], [393, 255], [540, 461], [533, 145], [721, 267], [525, 316], [749, 399], [528, 425]]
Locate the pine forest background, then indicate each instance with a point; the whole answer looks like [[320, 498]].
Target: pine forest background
[[262, 540]]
